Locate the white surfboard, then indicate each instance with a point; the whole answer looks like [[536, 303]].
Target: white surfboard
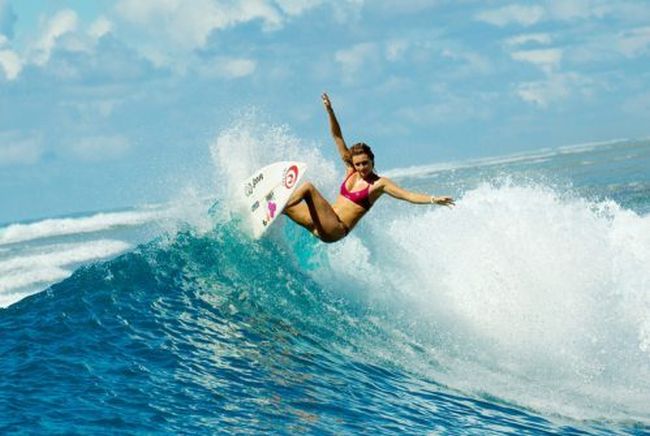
[[267, 191]]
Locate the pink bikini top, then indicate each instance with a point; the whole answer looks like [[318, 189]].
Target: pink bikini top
[[362, 197]]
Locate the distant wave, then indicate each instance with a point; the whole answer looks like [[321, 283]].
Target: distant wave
[[534, 156], [48, 228]]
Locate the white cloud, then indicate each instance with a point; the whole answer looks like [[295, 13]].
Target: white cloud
[[101, 147], [512, 14], [546, 59], [297, 7], [567, 10], [19, 149], [180, 25], [537, 38], [188, 27], [632, 11], [555, 88], [58, 31], [395, 49], [541, 93], [239, 67], [347, 11], [473, 62], [142, 11], [10, 63], [62, 22], [353, 59], [611, 47], [402, 7], [95, 107], [100, 27], [230, 68], [448, 107], [164, 31], [634, 42]]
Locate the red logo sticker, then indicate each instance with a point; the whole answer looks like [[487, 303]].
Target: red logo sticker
[[290, 176]]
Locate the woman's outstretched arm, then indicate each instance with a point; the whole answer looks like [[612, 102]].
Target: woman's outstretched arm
[[336, 130], [391, 188]]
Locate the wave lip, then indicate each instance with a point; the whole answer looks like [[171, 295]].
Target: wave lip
[[48, 228]]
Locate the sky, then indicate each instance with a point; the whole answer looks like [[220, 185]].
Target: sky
[[108, 104]]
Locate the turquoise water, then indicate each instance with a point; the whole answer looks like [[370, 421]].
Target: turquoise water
[[523, 310]]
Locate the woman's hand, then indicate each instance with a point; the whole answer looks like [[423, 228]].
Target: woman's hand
[[443, 201], [326, 101]]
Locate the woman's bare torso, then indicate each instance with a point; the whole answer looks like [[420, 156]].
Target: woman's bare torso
[[349, 212]]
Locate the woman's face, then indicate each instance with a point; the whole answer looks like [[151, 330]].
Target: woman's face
[[362, 164]]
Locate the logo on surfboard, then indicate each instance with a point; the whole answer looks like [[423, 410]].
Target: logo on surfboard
[[290, 176], [271, 208], [267, 191], [250, 187]]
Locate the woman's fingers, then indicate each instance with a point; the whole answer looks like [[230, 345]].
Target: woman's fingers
[[326, 99], [446, 201]]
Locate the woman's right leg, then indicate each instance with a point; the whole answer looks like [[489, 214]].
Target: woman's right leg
[[316, 215], [299, 213]]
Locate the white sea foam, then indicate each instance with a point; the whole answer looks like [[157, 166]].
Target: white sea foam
[[69, 226], [250, 143], [15, 287], [22, 274], [520, 292]]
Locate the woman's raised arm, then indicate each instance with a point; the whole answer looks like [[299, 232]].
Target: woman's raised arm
[[336, 130], [390, 188]]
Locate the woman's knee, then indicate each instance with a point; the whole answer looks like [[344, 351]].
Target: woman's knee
[[308, 186], [329, 239], [333, 235]]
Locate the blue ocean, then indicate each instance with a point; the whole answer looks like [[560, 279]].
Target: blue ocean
[[523, 310]]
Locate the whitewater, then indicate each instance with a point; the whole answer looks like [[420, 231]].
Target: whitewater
[[525, 309]]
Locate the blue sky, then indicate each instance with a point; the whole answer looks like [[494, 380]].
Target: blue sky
[[107, 104]]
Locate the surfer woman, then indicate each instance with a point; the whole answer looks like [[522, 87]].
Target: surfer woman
[[359, 191]]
